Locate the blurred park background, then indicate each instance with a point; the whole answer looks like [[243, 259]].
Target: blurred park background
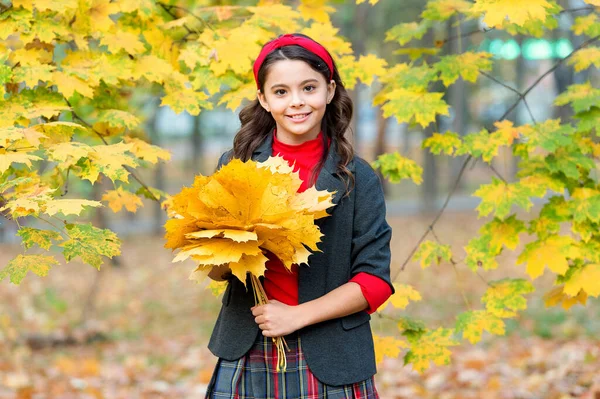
[[138, 328]]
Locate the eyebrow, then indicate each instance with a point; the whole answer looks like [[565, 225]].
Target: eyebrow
[[301, 83]]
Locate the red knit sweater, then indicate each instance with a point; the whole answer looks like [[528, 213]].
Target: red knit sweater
[[279, 282]]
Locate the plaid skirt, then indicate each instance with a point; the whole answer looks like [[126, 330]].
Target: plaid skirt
[[254, 376]]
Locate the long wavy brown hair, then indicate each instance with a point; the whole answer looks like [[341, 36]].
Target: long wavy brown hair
[[257, 123]]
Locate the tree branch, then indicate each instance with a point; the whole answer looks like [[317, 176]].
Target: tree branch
[[460, 36], [127, 168], [464, 165], [187, 11]]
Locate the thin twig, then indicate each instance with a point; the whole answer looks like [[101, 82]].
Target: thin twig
[[464, 165], [459, 36], [189, 12], [578, 9], [498, 173], [168, 11], [66, 189], [53, 225], [462, 170], [454, 263], [487, 75], [529, 111]]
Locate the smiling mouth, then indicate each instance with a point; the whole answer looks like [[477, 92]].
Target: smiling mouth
[[298, 116]]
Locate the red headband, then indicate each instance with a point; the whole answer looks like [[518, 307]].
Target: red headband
[[289, 40]]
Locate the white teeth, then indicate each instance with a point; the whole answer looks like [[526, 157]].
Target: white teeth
[[298, 116]]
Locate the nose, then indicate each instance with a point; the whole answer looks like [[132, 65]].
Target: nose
[[297, 100]]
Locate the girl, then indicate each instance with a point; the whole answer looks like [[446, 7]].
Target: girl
[[322, 309]]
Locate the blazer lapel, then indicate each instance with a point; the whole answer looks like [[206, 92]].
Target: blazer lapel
[[265, 150], [328, 178]]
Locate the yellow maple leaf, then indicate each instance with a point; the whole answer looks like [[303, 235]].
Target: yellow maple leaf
[[552, 252], [387, 347], [68, 206], [431, 346], [317, 10], [151, 67], [586, 278], [516, 11], [147, 152], [557, 296], [69, 153], [111, 159], [7, 158], [234, 98], [585, 58], [370, 66], [238, 49], [69, 84], [403, 294], [327, 35], [474, 323], [121, 40], [275, 16], [407, 104], [119, 198]]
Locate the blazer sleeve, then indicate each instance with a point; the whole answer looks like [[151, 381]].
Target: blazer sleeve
[[371, 234], [224, 159]]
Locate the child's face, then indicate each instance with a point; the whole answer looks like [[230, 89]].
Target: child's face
[[296, 96]]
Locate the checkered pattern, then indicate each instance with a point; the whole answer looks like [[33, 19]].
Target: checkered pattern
[[254, 376]]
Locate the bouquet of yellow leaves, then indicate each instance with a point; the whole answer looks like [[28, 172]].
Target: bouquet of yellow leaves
[[239, 212]]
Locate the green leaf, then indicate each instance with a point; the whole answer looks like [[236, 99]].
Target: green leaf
[[446, 143], [430, 252], [18, 267], [395, 167], [585, 205], [466, 65], [548, 135], [473, 323], [405, 32], [431, 347], [90, 243], [589, 120], [572, 164], [588, 25], [581, 97], [442, 10], [499, 197], [481, 253], [505, 297], [407, 105], [42, 238]]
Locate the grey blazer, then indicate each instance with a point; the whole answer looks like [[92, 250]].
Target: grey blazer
[[356, 239]]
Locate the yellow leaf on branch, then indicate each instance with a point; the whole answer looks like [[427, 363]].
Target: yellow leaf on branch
[[516, 11], [387, 347], [403, 294], [586, 279], [119, 198], [68, 206]]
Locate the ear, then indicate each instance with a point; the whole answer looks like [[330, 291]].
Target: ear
[[263, 101], [330, 90]]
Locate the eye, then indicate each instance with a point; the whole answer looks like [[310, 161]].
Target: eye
[[309, 88], [279, 92]]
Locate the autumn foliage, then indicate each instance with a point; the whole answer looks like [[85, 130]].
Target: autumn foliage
[[75, 76]]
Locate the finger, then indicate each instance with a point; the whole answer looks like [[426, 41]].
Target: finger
[[257, 311], [259, 320], [263, 326]]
